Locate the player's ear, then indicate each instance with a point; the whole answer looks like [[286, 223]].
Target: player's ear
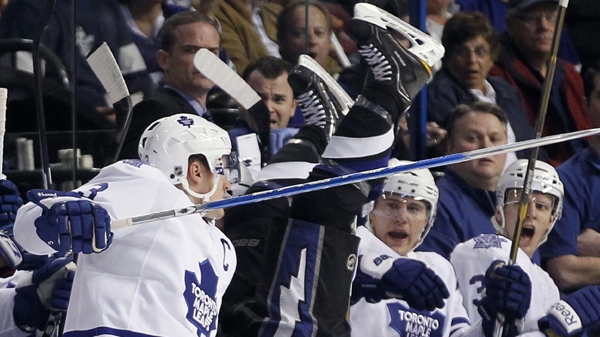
[[162, 57], [195, 172]]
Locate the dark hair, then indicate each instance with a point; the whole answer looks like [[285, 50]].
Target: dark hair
[[481, 107], [283, 19], [464, 26], [589, 79], [269, 66], [167, 32]]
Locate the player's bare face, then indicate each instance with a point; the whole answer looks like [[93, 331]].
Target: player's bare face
[[478, 130], [206, 184], [277, 95], [179, 62], [399, 221], [319, 39], [532, 29], [471, 62], [538, 220]]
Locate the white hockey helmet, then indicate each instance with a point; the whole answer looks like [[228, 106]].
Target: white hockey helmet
[[418, 184], [545, 180], [168, 143]]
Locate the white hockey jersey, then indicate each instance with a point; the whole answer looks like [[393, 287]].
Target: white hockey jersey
[[393, 317], [472, 258], [8, 328], [161, 278]]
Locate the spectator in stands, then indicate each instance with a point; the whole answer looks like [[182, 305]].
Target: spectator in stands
[[467, 191], [268, 76], [291, 34], [571, 254], [523, 63], [20, 20], [145, 18], [185, 89], [471, 48], [249, 30], [438, 12]]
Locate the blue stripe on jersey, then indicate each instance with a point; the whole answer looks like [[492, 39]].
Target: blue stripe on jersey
[[104, 330], [292, 292]]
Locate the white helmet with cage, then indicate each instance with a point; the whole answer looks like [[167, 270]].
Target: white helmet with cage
[[545, 180], [168, 143], [418, 184]]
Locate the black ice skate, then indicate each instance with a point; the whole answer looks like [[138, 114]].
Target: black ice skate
[[316, 101], [404, 71]]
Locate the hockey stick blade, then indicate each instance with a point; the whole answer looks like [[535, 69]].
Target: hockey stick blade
[[355, 177], [105, 67], [211, 66], [3, 99]]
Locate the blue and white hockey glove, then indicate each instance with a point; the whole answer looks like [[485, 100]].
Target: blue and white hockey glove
[[77, 225], [507, 292], [576, 312], [407, 279], [10, 201], [34, 293]]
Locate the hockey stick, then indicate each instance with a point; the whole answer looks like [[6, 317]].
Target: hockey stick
[[213, 68], [3, 98], [539, 125], [105, 67], [39, 104], [55, 317], [354, 177]]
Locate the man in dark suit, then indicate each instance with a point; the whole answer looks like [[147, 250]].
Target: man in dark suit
[[185, 89]]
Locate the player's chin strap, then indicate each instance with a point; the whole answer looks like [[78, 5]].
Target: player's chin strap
[[205, 197], [500, 227]]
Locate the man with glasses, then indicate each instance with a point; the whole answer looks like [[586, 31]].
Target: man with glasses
[[523, 61]]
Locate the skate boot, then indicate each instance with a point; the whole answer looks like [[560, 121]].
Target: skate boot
[[315, 99], [399, 70], [342, 101]]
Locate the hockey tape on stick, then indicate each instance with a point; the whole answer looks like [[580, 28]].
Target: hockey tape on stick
[[105, 67], [3, 98], [356, 177], [211, 66]]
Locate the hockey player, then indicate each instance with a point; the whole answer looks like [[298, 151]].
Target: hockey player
[[523, 290], [26, 296], [309, 260], [398, 223], [162, 278]]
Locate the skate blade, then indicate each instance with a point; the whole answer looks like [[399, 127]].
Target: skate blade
[[423, 46]]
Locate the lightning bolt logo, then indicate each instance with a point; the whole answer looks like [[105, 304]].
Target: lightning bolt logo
[[291, 297]]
